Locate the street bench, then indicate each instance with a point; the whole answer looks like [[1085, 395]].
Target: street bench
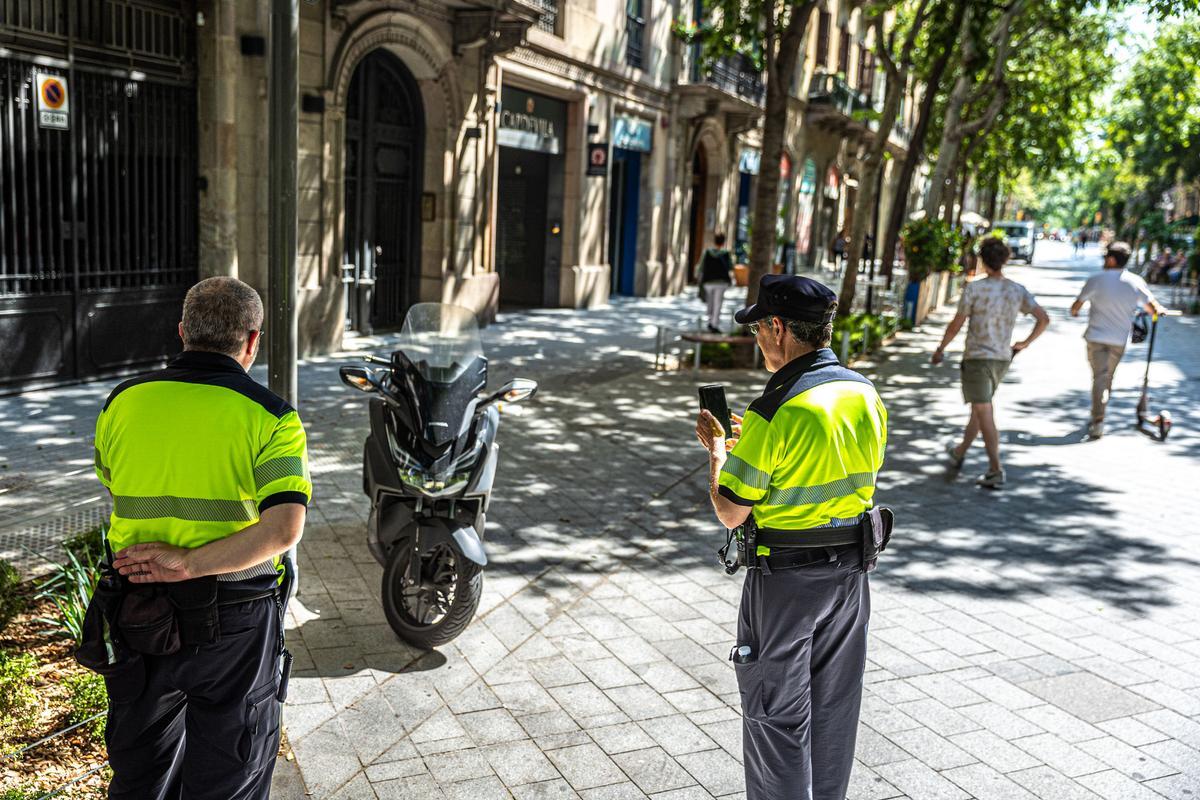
[[700, 338]]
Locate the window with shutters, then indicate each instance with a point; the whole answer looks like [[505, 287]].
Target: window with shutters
[[823, 25]]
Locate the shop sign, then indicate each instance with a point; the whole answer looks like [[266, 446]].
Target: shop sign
[[631, 133], [808, 179], [749, 160], [531, 121], [54, 108], [597, 159]]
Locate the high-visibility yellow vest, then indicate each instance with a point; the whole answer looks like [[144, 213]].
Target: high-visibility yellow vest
[[195, 452], [810, 447]]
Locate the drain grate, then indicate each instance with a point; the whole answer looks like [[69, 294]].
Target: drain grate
[[36, 549]]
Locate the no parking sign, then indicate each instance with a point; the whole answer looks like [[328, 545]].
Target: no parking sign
[[54, 108]]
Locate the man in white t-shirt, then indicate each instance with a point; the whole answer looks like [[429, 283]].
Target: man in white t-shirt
[[992, 305], [1115, 296]]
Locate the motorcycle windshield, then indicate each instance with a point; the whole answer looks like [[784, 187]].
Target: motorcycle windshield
[[440, 340]]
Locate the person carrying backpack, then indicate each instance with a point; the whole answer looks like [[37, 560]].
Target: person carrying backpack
[[715, 272]]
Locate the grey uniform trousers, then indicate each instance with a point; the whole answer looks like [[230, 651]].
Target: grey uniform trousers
[[802, 693]]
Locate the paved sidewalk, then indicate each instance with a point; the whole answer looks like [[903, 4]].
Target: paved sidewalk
[[1039, 642]]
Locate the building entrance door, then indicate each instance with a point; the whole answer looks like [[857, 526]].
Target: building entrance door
[[521, 220], [385, 129], [623, 219], [698, 223]]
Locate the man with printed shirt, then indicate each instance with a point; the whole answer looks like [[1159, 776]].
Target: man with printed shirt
[[208, 472], [803, 461]]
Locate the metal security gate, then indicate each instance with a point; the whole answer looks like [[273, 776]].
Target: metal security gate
[[97, 222]]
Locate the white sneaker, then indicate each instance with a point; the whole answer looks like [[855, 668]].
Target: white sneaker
[[955, 459], [1096, 429], [992, 480]]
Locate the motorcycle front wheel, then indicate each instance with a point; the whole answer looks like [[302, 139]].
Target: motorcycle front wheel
[[436, 607]]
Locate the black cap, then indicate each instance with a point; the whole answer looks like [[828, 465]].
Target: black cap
[[791, 297]]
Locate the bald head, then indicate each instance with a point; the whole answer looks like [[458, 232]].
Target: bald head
[[219, 316]]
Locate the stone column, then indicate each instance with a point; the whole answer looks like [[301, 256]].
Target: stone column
[[218, 58]]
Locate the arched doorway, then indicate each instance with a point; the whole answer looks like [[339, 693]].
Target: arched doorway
[[385, 135], [698, 223]]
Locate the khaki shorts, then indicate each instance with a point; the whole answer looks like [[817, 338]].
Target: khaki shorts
[[981, 377]]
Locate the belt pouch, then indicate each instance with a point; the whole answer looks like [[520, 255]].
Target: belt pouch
[[147, 621], [876, 533], [195, 603]]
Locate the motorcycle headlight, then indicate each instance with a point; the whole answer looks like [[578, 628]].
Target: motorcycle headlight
[[434, 485]]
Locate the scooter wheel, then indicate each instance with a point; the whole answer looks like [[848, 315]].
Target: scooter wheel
[[440, 605]]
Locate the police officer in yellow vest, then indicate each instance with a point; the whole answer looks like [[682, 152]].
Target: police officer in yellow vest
[[208, 472], [803, 462]]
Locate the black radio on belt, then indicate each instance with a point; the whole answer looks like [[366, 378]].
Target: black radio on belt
[[744, 538]]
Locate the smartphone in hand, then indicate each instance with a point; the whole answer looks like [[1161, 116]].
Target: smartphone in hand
[[712, 400]]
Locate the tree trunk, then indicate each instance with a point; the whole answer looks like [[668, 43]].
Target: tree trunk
[[868, 185], [916, 144], [993, 195], [955, 129], [781, 64]]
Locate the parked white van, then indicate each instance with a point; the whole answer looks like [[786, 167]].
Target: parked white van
[[1020, 237]]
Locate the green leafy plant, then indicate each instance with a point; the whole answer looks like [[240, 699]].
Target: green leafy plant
[[18, 700], [12, 602], [931, 245], [877, 329], [88, 698], [71, 585], [20, 793]]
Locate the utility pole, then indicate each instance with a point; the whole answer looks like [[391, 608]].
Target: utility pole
[[283, 91]]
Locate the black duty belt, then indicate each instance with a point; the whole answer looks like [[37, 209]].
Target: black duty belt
[[797, 557], [811, 537], [232, 595]]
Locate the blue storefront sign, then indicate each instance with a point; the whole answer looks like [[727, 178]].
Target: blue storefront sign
[[631, 133]]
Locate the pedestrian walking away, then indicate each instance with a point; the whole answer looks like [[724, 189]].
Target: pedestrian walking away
[[715, 272], [208, 473], [1115, 296], [992, 304], [798, 477]]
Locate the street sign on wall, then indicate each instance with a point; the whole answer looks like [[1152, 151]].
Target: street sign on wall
[[597, 166], [54, 106]]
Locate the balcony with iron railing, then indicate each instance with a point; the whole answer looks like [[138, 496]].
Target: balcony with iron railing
[[736, 75], [830, 92]]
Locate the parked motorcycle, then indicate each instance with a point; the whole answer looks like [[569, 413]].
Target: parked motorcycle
[[428, 467]]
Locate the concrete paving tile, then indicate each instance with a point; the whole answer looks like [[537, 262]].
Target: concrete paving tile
[[1128, 760], [621, 738], [1045, 782], [866, 785], [326, 758], [917, 780], [585, 766], [936, 751], [476, 697], [640, 701], [581, 648], [691, 700], [1112, 785], [491, 727], [1000, 691], [438, 746], [985, 783], [556, 741], [653, 770], [1175, 787], [583, 701], [487, 788], [715, 770], [1089, 697], [518, 763], [547, 723], [459, 765], [677, 735], [524, 697], [1178, 755], [1174, 725], [359, 788], [617, 791], [938, 717], [686, 793], [1053, 718], [301, 720], [442, 724], [554, 671], [664, 677], [608, 672], [1132, 732], [391, 770], [556, 789], [994, 751], [1061, 755]]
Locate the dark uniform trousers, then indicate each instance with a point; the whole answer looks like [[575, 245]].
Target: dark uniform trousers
[[802, 694], [206, 725]]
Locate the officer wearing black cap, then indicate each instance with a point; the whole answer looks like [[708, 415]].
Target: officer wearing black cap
[[802, 470]]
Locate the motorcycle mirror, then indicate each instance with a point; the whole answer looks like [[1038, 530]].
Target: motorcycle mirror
[[360, 378], [515, 391]]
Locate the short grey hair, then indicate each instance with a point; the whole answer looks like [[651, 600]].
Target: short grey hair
[[813, 334], [218, 315]]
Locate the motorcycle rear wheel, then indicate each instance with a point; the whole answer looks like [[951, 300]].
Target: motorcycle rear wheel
[[440, 605]]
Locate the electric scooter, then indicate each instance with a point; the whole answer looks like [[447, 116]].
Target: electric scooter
[[1157, 427]]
